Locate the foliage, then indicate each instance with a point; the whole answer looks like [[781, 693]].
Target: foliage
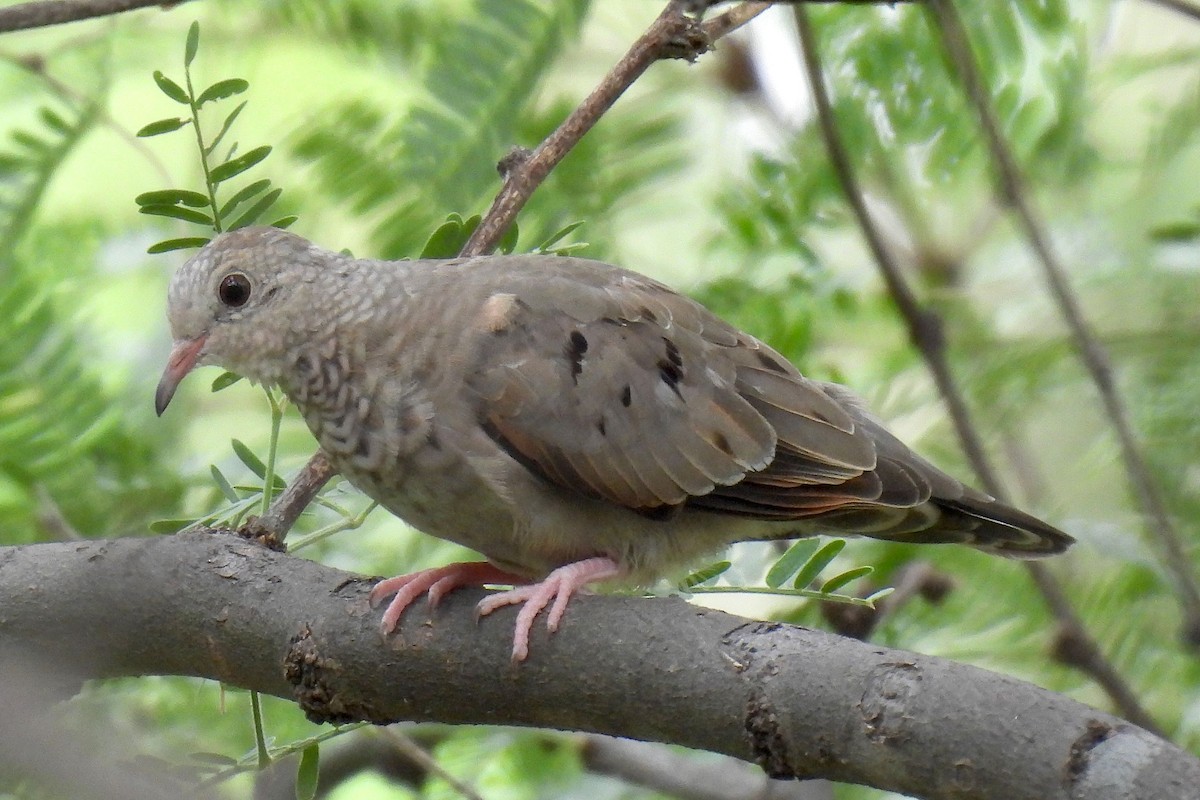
[[439, 154], [248, 204], [70, 444]]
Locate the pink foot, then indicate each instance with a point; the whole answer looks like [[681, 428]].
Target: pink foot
[[437, 582], [558, 586]]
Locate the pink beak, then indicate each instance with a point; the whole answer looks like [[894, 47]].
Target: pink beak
[[183, 357]]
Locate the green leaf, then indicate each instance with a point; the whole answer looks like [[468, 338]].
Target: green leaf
[[163, 126], [177, 212], [182, 243], [225, 380], [705, 574], [169, 525], [243, 194], [225, 126], [877, 596], [558, 236], [838, 581], [29, 141], [236, 166], [796, 556], [255, 211], [171, 197], [170, 88], [284, 222], [1176, 232], [247, 457], [818, 562], [508, 242], [222, 89], [54, 121], [447, 240], [193, 44], [223, 484], [306, 773]]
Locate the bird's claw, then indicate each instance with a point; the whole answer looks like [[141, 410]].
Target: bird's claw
[[555, 591]]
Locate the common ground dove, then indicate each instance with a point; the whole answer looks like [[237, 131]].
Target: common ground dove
[[572, 421]]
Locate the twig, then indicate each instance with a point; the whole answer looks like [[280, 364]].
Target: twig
[[925, 329], [1187, 9], [672, 35], [36, 66], [51, 519], [417, 754], [56, 12], [915, 579], [1174, 556], [733, 19], [273, 526]]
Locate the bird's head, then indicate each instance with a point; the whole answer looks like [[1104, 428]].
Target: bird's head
[[233, 304]]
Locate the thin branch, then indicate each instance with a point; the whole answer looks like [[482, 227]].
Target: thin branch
[[50, 518], [802, 703], [914, 579], [1174, 556], [925, 328], [273, 526], [733, 19], [55, 12], [1180, 6], [411, 750], [36, 66], [673, 34], [524, 175]]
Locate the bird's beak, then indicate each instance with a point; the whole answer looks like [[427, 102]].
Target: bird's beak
[[183, 357]]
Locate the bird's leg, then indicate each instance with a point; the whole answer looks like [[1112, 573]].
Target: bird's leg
[[558, 586], [437, 582]]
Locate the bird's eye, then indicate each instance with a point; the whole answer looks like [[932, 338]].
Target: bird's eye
[[234, 290]]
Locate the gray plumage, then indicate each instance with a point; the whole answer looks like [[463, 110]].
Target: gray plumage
[[543, 410]]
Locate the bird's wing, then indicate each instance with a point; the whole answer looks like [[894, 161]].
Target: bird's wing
[[612, 385]]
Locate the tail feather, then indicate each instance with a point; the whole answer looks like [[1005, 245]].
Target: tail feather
[[1002, 529]]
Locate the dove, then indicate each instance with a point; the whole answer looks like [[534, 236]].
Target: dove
[[573, 422]]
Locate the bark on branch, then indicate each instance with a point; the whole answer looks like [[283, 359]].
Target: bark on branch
[[55, 12], [799, 702]]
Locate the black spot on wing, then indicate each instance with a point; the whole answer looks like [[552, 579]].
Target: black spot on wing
[[670, 368], [627, 396], [670, 375], [574, 350], [673, 354], [770, 362]]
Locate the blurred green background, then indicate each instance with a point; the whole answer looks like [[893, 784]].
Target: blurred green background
[[387, 116]]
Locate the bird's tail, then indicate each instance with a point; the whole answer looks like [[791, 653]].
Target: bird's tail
[[975, 520]]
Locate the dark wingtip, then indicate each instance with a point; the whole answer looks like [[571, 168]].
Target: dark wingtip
[[1007, 531]]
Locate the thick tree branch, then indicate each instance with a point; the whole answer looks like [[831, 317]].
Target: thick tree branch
[[1161, 528], [800, 702], [55, 12], [925, 329]]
